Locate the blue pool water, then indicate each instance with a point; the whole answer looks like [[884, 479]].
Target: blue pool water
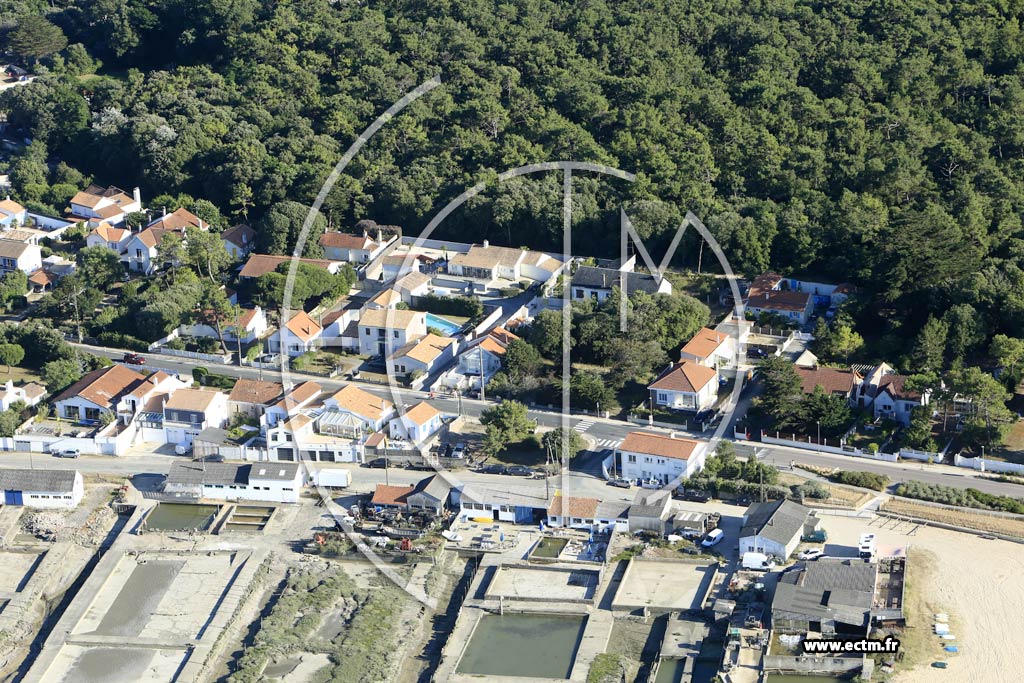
[[449, 328]]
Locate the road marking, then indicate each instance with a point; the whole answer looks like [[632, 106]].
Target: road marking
[[609, 443], [583, 426]]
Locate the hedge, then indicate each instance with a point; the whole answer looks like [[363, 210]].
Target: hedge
[[464, 306]]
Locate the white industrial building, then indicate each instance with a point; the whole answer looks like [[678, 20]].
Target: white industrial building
[[42, 488], [271, 482]]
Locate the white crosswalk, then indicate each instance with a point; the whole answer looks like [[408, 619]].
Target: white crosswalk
[[583, 425], [608, 443]]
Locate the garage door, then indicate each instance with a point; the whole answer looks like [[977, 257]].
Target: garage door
[[12, 498], [285, 454]]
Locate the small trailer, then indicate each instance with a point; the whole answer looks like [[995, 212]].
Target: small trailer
[[330, 479]]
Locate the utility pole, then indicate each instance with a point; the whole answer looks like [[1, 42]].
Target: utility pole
[[480, 350], [387, 478]]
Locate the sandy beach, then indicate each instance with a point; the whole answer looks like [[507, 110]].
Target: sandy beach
[[974, 580]]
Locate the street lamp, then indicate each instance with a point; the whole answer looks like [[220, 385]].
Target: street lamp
[[819, 432]]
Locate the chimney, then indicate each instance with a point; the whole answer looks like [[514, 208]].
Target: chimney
[[486, 244], [380, 236], [164, 215], [137, 196]]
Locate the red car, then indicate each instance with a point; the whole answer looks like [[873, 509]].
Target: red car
[[133, 359]]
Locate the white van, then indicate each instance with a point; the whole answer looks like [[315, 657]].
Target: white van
[[713, 538], [757, 562]]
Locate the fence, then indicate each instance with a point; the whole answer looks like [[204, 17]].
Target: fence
[[984, 465], [825, 448]]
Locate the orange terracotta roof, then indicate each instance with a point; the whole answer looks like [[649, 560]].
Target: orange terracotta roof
[[421, 413], [255, 391], [704, 343], [109, 233], [104, 387], [686, 376], [177, 221], [832, 380], [261, 264], [303, 327], [425, 349], [344, 240], [239, 235], [391, 495], [11, 207], [197, 400], [354, 400], [583, 508], [658, 444]]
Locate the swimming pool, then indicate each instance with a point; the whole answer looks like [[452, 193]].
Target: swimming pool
[[449, 328]]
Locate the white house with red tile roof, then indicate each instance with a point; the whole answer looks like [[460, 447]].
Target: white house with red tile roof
[[644, 455], [710, 348], [686, 386], [30, 394], [424, 355], [107, 236], [573, 512], [12, 213], [343, 246], [23, 256], [97, 391], [416, 424], [251, 324], [178, 221], [141, 249], [291, 403], [885, 392], [299, 335], [95, 204]]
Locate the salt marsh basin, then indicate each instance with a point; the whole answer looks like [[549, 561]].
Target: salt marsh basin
[[526, 645]]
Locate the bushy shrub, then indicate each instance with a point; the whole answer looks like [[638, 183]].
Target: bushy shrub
[[464, 306], [867, 480]]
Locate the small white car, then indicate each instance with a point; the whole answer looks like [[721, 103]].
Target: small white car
[[67, 453], [812, 554]]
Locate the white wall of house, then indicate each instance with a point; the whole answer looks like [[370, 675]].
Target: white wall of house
[[646, 466], [688, 400], [380, 340], [264, 490], [137, 256], [403, 428], [94, 240], [759, 544], [78, 408]]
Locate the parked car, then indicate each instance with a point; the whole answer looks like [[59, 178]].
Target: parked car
[[742, 501], [209, 458], [755, 352], [378, 463], [459, 451], [183, 448], [697, 496], [816, 536], [620, 483], [713, 538], [757, 562], [494, 468], [133, 359], [519, 471], [445, 450], [650, 483], [811, 554], [67, 453]]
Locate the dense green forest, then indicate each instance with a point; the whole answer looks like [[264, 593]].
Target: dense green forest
[[870, 141]]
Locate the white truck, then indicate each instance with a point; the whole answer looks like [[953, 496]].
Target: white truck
[[866, 550], [330, 479], [757, 562]]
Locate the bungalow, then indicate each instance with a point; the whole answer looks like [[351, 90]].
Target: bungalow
[[424, 355], [23, 256], [189, 411], [30, 394], [383, 331], [573, 512], [251, 324], [299, 335], [340, 246], [769, 293], [645, 456], [839, 381], [417, 424], [686, 386], [265, 482], [372, 410], [590, 282], [238, 240], [97, 392], [106, 235], [12, 213], [250, 398], [261, 264], [507, 504], [42, 488], [651, 511], [775, 527], [486, 264], [95, 204], [710, 348]]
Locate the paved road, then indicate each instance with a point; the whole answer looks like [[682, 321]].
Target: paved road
[[604, 434]]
